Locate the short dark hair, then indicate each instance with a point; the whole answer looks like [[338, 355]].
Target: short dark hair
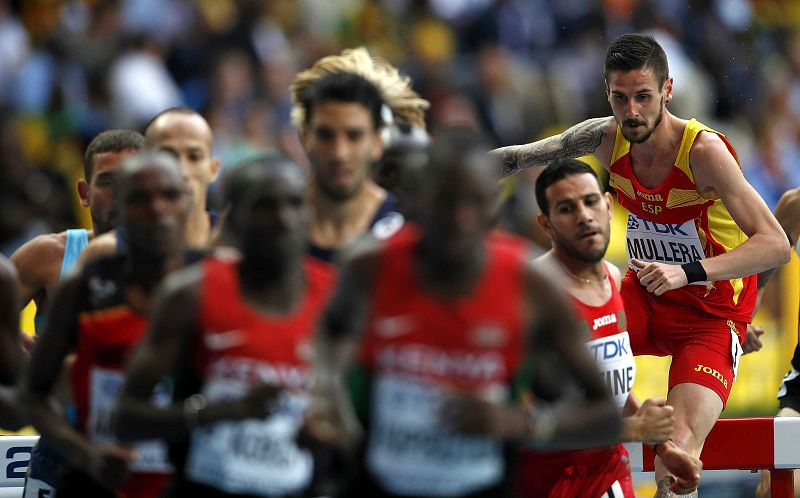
[[556, 171], [343, 87], [110, 141], [637, 51]]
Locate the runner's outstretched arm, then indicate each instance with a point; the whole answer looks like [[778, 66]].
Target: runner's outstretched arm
[[593, 136]]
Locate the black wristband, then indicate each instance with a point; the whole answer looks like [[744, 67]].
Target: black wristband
[[694, 272]]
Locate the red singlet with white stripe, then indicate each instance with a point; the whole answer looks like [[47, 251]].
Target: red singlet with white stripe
[[240, 348], [418, 347]]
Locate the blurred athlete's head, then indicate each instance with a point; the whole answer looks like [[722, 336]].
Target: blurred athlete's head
[[460, 197], [341, 104], [405, 153], [153, 202], [341, 133], [269, 213]]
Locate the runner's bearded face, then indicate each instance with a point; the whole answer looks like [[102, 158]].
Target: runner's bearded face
[[342, 143], [579, 222], [637, 102]]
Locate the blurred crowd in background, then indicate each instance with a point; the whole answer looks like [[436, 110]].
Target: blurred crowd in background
[[515, 68]]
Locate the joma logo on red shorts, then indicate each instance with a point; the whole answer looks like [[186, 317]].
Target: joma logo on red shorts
[[712, 372]]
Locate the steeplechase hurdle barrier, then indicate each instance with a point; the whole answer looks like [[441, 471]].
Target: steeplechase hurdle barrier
[[761, 443]]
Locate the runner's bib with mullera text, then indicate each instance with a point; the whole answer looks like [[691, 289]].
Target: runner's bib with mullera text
[[673, 244]]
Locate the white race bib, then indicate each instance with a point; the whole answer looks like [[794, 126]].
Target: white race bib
[[410, 453], [105, 386], [257, 457], [663, 243], [614, 358]]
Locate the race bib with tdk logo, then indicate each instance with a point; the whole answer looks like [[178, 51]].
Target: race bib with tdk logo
[[614, 358], [673, 244]]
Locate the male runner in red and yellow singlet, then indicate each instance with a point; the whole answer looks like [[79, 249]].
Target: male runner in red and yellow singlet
[[697, 231]]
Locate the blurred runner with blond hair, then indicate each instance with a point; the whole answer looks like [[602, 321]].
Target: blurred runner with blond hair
[[341, 105]]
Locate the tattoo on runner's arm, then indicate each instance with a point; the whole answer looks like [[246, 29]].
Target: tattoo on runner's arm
[[583, 138]]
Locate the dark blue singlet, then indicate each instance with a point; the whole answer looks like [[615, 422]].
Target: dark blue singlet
[[385, 223]]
